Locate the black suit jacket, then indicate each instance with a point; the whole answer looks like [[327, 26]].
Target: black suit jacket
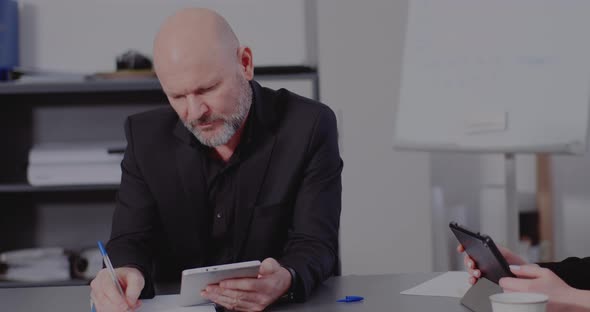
[[289, 193], [574, 271]]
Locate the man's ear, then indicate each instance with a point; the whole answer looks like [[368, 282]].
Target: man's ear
[[246, 62]]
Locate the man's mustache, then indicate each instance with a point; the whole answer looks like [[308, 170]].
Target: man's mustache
[[206, 119]]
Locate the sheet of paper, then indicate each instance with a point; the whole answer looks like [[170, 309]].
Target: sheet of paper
[[450, 284], [169, 303]]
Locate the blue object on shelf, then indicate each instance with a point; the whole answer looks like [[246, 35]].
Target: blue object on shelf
[[8, 37]]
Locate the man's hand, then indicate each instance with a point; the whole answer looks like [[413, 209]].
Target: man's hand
[[532, 278], [106, 296], [562, 297], [475, 273], [251, 294]]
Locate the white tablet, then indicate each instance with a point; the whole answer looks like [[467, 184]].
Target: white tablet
[[195, 280]]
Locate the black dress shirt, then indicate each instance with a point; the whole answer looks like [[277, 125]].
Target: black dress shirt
[[222, 195]]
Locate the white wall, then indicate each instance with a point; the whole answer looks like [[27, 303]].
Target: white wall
[[87, 35], [386, 224]]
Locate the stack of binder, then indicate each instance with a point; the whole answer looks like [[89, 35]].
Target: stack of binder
[[49, 264], [35, 265], [75, 163]]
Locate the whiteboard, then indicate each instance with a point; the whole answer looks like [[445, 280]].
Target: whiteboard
[[495, 76]]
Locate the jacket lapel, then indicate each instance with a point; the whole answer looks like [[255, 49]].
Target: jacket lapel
[[250, 179], [254, 167]]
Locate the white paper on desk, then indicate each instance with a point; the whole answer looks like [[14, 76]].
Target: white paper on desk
[[450, 284], [169, 303]]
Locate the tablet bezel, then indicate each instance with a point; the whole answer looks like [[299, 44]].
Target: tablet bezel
[[195, 280]]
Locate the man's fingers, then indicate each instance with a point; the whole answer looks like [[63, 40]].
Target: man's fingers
[[226, 302], [231, 293], [111, 292], [476, 273], [460, 248], [232, 303], [137, 305], [471, 267], [104, 294], [468, 262], [269, 266], [244, 284], [103, 303], [135, 284], [528, 271]]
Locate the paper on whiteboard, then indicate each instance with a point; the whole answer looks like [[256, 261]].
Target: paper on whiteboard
[[169, 303], [450, 284]]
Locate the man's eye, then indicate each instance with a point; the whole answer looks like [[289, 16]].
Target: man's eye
[[209, 88]]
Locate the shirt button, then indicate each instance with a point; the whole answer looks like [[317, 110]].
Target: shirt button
[[219, 215]]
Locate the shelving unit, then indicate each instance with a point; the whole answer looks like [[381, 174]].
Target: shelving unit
[[35, 112]]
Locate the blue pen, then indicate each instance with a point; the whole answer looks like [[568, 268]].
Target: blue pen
[[109, 265], [351, 299]]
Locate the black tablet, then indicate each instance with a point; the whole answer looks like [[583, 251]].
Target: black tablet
[[483, 251]]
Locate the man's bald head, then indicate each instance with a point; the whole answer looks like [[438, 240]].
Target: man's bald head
[[195, 34], [205, 72]]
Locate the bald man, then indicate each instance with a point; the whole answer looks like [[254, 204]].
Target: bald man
[[230, 172]]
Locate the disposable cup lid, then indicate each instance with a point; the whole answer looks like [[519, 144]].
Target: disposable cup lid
[[519, 298]]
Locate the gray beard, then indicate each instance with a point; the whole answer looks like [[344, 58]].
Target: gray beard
[[231, 123]]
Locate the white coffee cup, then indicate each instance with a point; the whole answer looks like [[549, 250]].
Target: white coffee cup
[[519, 302]]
